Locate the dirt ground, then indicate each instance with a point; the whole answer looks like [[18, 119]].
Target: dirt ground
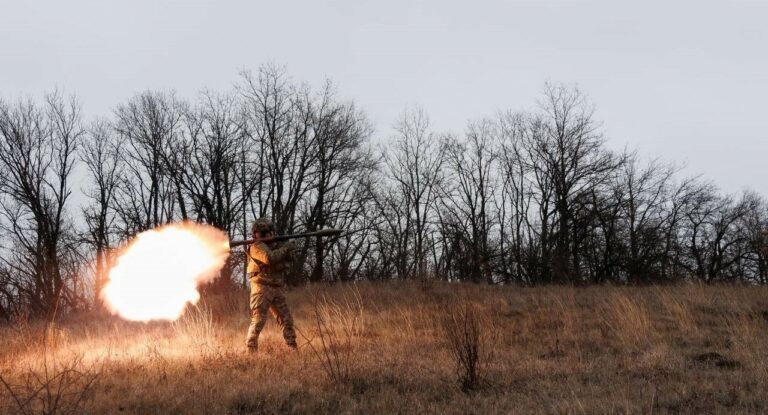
[[410, 348]]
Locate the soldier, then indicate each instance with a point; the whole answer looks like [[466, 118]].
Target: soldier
[[267, 264]]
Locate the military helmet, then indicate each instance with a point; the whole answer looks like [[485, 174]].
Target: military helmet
[[263, 226]]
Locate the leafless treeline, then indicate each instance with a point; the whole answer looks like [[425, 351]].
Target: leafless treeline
[[519, 197]]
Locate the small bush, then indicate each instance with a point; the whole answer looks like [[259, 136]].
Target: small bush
[[335, 325], [53, 386], [466, 336], [197, 326]]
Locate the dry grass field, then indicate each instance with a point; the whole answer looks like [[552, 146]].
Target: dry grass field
[[412, 348]]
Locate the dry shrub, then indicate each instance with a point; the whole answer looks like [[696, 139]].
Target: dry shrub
[[52, 385], [347, 311], [628, 320], [465, 332], [335, 324], [197, 326]]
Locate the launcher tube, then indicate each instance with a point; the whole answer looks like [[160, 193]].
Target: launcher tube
[[322, 232]]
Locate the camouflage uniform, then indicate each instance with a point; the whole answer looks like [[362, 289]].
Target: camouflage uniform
[[267, 265]]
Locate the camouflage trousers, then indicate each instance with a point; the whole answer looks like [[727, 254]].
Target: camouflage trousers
[[266, 298]]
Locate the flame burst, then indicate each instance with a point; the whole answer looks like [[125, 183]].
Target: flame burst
[[158, 273]]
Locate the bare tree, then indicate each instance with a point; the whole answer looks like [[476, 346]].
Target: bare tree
[[278, 123], [468, 199], [209, 168], [643, 204], [392, 233], [755, 226], [415, 167], [568, 152], [148, 195], [100, 153], [712, 241], [527, 197], [37, 148], [339, 174], [515, 201]]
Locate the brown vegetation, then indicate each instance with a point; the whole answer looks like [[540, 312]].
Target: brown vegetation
[[393, 348]]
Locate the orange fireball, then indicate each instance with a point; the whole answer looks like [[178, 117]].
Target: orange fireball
[[159, 272]]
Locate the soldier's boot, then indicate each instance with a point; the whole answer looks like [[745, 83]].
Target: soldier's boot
[[252, 344], [290, 337], [292, 345]]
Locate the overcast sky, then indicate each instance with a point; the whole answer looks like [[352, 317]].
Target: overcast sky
[[683, 80]]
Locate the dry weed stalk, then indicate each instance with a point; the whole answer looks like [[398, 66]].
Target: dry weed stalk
[[197, 326], [336, 324], [55, 387], [347, 311], [467, 340]]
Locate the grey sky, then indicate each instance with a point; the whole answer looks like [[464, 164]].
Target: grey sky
[[683, 80]]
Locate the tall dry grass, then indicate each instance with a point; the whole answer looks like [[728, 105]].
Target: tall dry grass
[[628, 320], [415, 348]]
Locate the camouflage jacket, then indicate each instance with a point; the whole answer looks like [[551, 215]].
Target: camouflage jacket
[[268, 265]]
